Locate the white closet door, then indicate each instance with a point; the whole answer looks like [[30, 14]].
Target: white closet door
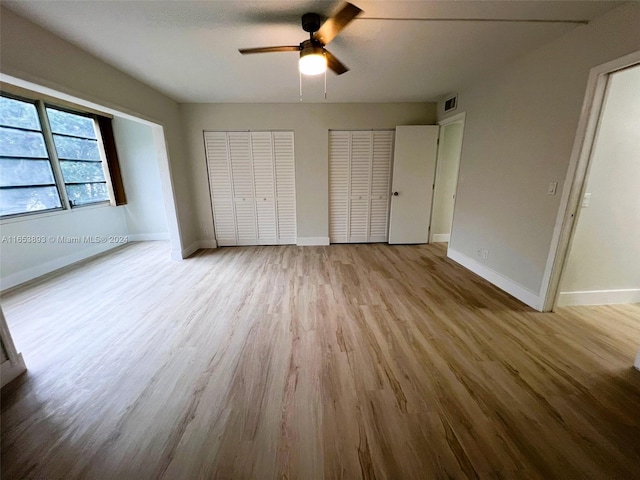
[[285, 187], [264, 182], [221, 187], [359, 185], [252, 182], [380, 186], [243, 189], [339, 159]]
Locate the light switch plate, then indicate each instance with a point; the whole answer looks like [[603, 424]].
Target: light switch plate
[[586, 200], [551, 189]]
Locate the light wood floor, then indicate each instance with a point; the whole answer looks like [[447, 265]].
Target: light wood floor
[[340, 362]]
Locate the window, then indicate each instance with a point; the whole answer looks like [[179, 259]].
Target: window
[[27, 183], [53, 158], [78, 152]]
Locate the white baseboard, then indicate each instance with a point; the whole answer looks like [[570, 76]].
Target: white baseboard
[[523, 294], [191, 249], [148, 237], [440, 237], [599, 297], [208, 244], [309, 241], [637, 362], [9, 371], [34, 272]]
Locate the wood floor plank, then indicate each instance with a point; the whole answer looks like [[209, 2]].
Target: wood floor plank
[[340, 362]]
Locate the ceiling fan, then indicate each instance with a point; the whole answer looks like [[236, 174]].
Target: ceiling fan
[[314, 57]]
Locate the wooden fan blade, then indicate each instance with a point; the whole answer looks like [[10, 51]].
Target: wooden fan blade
[[334, 64], [288, 48], [333, 26]]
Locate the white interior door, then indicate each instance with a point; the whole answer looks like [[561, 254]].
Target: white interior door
[[414, 164]]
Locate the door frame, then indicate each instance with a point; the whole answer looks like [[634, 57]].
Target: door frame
[[457, 118], [577, 174]]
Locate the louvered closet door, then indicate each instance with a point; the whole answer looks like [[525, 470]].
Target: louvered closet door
[[243, 189], [359, 183], [285, 186], [220, 184], [360, 187], [380, 185], [339, 153], [264, 181], [252, 181]]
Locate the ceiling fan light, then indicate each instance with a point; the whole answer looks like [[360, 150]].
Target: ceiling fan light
[[312, 63]]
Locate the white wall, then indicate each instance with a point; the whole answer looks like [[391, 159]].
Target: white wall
[[446, 179], [144, 211], [520, 126], [604, 263], [20, 262], [33, 54], [311, 124]]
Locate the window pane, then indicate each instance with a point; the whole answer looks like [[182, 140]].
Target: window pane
[[76, 148], [70, 124], [76, 172], [15, 172], [18, 143], [23, 200], [16, 113], [87, 193]]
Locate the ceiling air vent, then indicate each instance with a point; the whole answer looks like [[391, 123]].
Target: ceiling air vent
[[451, 103]]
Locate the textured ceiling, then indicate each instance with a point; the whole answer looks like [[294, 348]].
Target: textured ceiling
[[188, 50]]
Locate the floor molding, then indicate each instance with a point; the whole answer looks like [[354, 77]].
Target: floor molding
[[208, 244], [309, 241], [188, 251], [440, 237], [599, 297], [10, 371], [148, 237], [194, 247], [512, 288]]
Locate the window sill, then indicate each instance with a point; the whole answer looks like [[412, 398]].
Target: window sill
[[37, 216]]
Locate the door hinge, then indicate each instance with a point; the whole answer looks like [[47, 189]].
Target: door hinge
[[433, 187], [438, 141]]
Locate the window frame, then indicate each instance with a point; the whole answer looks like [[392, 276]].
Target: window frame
[[41, 105]]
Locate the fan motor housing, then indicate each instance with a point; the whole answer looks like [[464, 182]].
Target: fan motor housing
[[311, 22]]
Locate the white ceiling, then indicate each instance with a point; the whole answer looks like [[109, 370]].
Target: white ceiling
[[188, 49]]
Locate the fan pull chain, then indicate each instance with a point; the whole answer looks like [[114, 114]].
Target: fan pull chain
[[300, 75], [325, 84]]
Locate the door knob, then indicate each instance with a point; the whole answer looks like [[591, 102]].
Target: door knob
[[395, 194]]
